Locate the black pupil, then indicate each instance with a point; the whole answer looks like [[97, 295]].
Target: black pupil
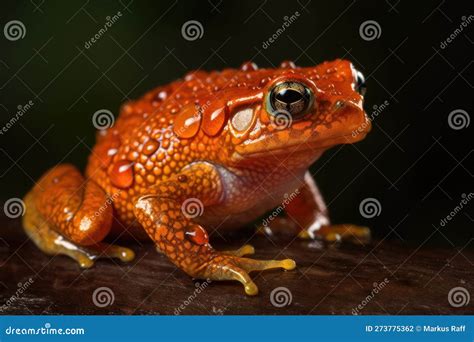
[[288, 96]]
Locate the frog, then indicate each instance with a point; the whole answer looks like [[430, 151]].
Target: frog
[[210, 152]]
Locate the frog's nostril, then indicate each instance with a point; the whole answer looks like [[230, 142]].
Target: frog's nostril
[[360, 83], [339, 104]]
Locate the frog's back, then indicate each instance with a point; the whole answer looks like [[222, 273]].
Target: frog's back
[[146, 133], [142, 147]]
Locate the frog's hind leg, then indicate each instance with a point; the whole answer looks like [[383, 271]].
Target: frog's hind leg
[[66, 214]]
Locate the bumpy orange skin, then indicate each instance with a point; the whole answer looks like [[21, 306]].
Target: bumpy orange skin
[[150, 132], [209, 136]]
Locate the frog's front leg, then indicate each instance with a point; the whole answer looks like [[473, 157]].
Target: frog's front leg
[[167, 216], [309, 212]]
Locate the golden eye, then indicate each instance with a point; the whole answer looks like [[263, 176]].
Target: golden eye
[[292, 97]]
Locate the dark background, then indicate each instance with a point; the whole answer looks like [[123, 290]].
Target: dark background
[[412, 162]]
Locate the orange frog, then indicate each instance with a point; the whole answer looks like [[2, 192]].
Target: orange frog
[[215, 150]]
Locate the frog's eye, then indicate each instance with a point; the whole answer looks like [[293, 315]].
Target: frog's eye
[[360, 83], [290, 96]]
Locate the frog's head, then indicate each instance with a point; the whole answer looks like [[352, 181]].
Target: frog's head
[[287, 113], [296, 113]]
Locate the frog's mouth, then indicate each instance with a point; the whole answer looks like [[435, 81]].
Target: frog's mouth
[[349, 127], [303, 146]]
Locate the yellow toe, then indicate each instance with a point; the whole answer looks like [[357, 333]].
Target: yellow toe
[[127, 255], [247, 250], [251, 289], [85, 262], [288, 264]]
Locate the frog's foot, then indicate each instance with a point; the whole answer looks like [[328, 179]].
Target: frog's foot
[[244, 250], [53, 243], [227, 267], [87, 255], [339, 232]]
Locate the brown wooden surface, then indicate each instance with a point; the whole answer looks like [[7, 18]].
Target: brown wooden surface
[[326, 281]]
